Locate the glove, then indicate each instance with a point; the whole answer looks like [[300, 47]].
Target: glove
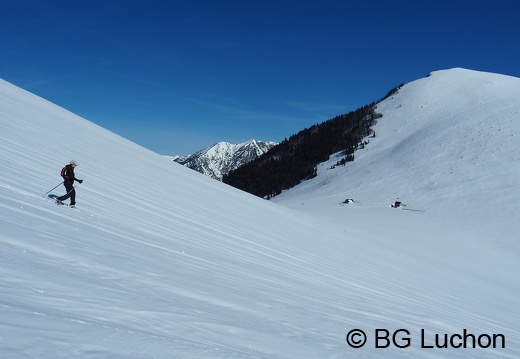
[[80, 181]]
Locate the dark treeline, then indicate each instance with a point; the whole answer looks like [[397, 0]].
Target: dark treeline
[[295, 159]]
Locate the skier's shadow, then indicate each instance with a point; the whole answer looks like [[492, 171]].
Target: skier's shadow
[[53, 197]]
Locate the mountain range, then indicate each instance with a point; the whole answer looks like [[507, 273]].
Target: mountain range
[[159, 261], [220, 158]]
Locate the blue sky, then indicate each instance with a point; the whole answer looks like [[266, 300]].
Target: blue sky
[[178, 76]]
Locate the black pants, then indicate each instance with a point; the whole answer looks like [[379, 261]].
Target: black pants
[[71, 193]]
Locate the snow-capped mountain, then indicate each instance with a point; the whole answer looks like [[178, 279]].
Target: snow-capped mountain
[[219, 159], [161, 262]]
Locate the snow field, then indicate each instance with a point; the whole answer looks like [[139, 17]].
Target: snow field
[[159, 261]]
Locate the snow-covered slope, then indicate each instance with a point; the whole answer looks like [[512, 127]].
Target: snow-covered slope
[[448, 144], [219, 159], [159, 261]]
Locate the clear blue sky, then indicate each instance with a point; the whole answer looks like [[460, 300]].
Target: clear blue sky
[[177, 76]]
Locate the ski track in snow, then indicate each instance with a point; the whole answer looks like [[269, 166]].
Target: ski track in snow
[[159, 261]]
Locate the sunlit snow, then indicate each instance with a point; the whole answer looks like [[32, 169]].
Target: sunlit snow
[[159, 261]]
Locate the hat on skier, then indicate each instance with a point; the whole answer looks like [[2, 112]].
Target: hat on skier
[[73, 163]]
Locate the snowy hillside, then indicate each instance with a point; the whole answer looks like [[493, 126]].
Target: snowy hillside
[[219, 159], [448, 144], [159, 261]]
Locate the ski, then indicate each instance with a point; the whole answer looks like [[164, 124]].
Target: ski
[[54, 199]]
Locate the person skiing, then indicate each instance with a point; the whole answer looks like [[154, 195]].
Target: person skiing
[[67, 173]]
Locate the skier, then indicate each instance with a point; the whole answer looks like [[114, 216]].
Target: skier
[[67, 173]]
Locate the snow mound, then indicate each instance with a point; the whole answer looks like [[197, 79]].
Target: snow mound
[[448, 144]]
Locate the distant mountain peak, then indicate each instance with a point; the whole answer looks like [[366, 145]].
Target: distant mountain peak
[[222, 157]]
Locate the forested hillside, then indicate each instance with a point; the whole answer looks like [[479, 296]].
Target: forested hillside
[[295, 159]]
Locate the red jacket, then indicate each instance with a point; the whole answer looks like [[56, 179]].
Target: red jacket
[[67, 173]]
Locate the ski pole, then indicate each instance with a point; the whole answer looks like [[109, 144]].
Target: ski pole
[[52, 189], [70, 190]]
